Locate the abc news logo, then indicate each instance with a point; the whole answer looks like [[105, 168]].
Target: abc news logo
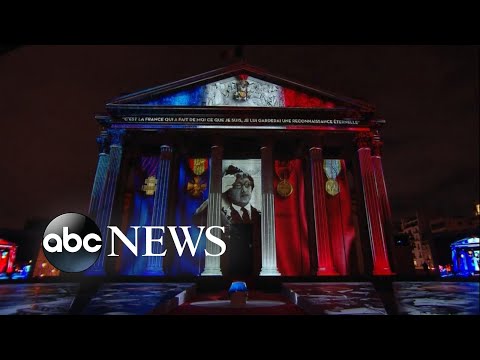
[[73, 243]]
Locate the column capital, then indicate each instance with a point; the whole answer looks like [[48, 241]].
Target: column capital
[[104, 121], [102, 142], [116, 136], [363, 139], [266, 143], [377, 144], [217, 152], [166, 152], [316, 153], [377, 147]]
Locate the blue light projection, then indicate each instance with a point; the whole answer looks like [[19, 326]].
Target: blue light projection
[[237, 286], [23, 274], [189, 199], [141, 215], [191, 97], [465, 256]]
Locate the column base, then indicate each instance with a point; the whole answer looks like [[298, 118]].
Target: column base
[[327, 272], [269, 272], [95, 272], [212, 272], [383, 272], [154, 272]]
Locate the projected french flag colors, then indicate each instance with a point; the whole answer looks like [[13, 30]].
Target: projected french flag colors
[[241, 90]]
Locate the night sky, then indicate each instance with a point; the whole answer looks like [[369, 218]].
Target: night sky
[[49, 96]]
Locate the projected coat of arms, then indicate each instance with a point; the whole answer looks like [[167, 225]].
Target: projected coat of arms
[[243, 91]]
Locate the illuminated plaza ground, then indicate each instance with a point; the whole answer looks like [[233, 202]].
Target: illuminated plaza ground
[[375, 297]]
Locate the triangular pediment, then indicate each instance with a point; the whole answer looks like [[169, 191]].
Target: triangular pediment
[[473, 241], [238, 85]]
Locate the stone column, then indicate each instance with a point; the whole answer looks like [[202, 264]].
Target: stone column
[[212, 263], [159, 216], [104, 211], [100, 175], [381, 265], [12, 254], [454, 260], [385, 211], [324, 248], [269, 250]]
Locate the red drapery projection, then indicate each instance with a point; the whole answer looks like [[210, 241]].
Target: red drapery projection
[[8, 253], [298, 99], [3, 260], [340, 223], [291, 231]]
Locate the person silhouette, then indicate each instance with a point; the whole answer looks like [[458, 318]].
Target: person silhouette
[[425, 267]]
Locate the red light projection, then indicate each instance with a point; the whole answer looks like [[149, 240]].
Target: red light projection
[[298, 99]]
